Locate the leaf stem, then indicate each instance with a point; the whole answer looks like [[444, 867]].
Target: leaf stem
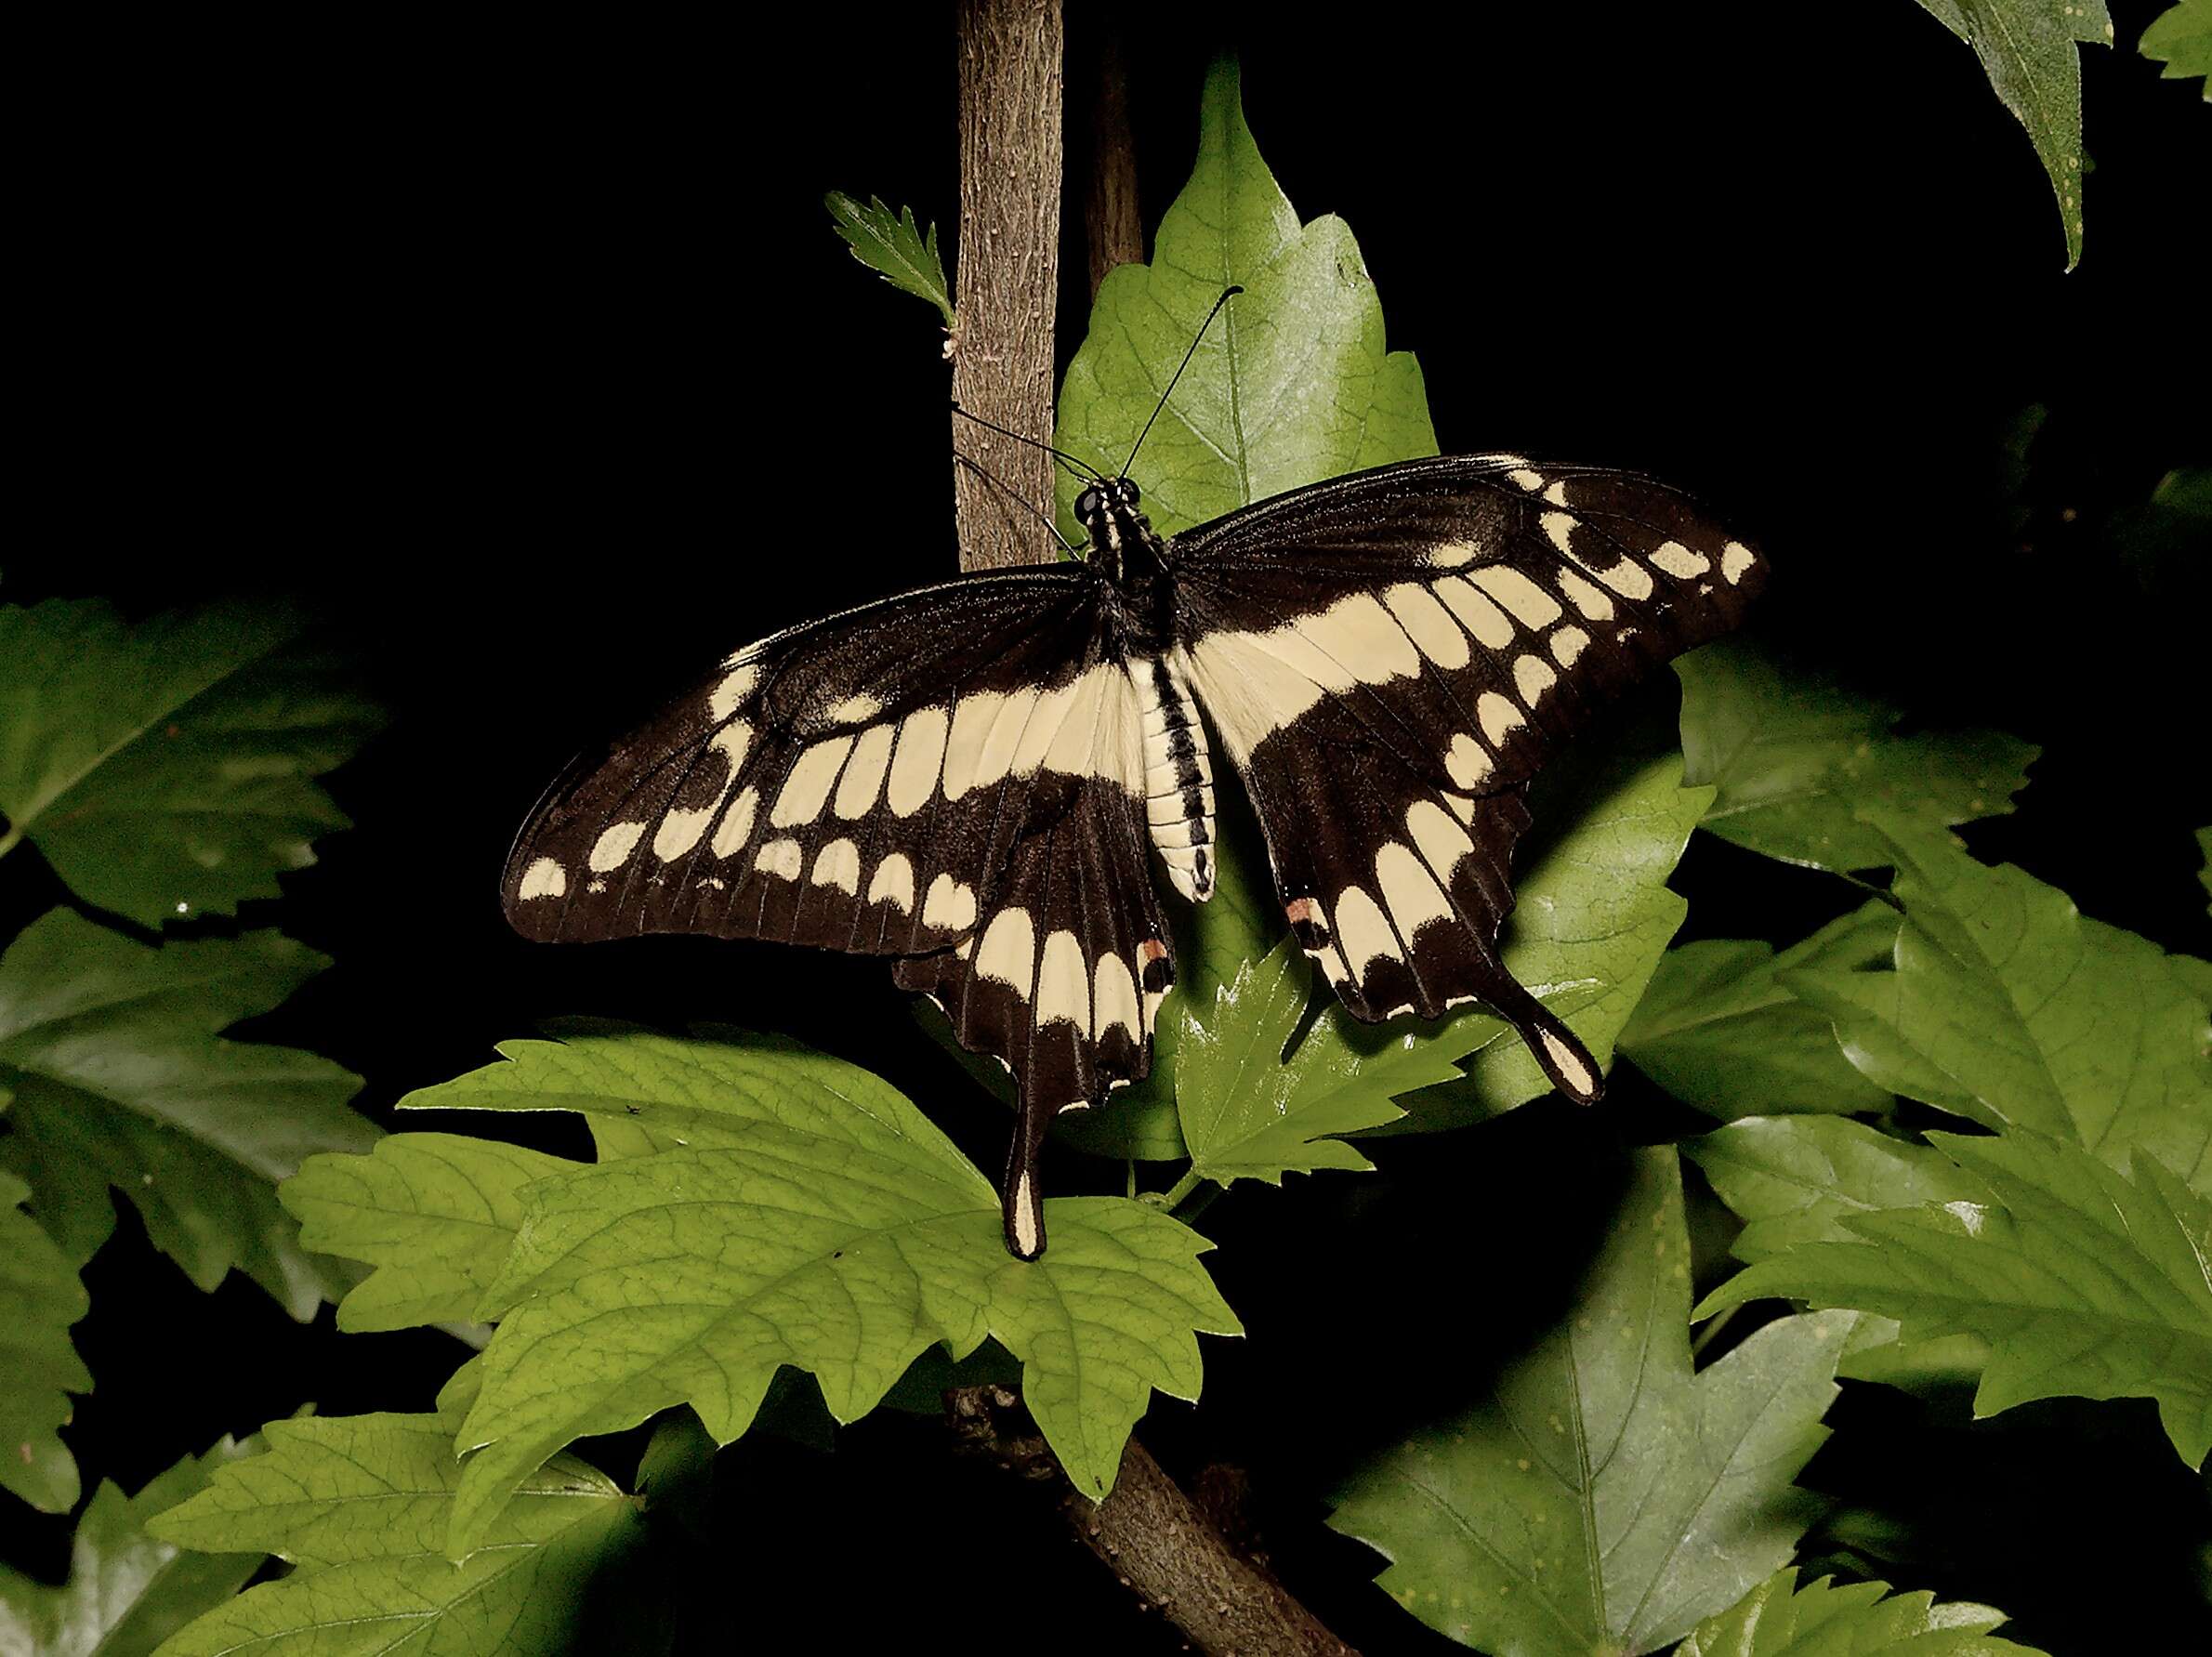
[[1180, 1190], [1711, 1331], [8, 841]]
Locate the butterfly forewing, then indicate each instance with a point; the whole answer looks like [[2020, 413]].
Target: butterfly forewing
[[854, 784], [1390, 657]]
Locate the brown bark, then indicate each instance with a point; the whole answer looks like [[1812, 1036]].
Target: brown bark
[[1007, 272], [1113, 230], [1151, 1536]]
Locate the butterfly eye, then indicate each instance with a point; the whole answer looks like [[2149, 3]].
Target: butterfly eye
[[1086, 505], [1129, 492]]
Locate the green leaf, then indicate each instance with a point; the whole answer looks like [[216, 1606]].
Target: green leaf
[[1603, 1497], [2204, 875], [2085, 1282], [1249, 1113], [1796, 1180], [813, 1218], [1292, 384], [361, 1505], [40, 1297], [434, 1212], [1592, 918], [1779, 1619], [163, 766], [2181, 37], [1717, 1031], [126, 1590], [1795, 756], [119, 1079], [892, 245], [2009, 1007], [2026, 48]]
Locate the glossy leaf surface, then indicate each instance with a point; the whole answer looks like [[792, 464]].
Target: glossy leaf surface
[[1828, 1619], [1717, 1029], [120, 1080], [359, 1504], [127, 1591], [2083, 1280], [1292, 384], [1795, 756], [1603, 1497], [2027, 50], [2008, 1007], [165, 768]]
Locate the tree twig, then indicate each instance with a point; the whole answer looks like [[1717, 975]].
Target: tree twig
[[1113, 228], [1007, 269], [1152, 1537]]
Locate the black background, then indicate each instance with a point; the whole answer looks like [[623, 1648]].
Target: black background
[[527, 353]]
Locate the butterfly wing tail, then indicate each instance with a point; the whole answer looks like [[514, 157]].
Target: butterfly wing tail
[[1557, 1050], [1021, 1198]]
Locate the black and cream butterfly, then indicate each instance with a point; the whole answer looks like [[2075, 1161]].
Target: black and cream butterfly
[[967, 779]]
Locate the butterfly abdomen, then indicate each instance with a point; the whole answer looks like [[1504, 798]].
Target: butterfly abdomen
[[1178, 776]]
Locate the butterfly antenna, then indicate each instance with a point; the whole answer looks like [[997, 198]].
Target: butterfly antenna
[[1078, 467], [1227, 294], [1018, 499]]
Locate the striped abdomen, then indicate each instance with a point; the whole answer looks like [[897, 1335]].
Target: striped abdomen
[[1178, 777]]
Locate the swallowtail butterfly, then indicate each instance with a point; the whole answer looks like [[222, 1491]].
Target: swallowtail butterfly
[[971, 778]]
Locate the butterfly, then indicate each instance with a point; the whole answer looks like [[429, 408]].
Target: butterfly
[[973, 779]]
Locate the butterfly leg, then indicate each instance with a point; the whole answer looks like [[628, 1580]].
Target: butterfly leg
[[1556, 1048]]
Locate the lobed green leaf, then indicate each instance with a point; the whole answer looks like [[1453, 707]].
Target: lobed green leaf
[[362, 1504], [2009, 1007], [1794, 757], [2181, 37], [812, 1216], [434, 1212], [40, 1297], [1794, 1180], [119, 1079], [163, 767], [893, 246], [127, 1590], [1797, 1180], [2083, 1280], [1603, 1497], [1823, 1619], [1717, 1029]]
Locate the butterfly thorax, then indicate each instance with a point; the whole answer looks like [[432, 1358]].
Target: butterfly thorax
[[1179, 778]]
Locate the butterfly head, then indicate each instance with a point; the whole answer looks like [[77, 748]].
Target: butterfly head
[[1123, 543]]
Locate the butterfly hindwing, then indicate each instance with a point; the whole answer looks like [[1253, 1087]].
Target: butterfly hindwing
[[1390, 657], [1062, 976]]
